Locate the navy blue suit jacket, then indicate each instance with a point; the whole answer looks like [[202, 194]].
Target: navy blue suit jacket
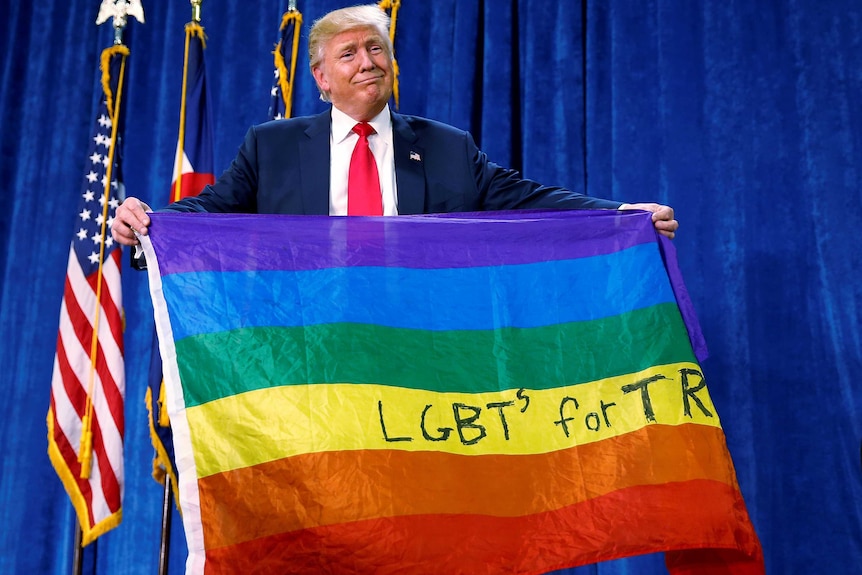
[[282, 167]]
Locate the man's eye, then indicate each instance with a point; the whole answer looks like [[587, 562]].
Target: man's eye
[[346, 55], [376, 49]]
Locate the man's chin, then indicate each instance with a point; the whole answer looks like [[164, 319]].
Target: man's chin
[[376, 97]]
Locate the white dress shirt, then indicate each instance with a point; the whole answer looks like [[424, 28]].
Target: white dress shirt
[[342, 140]]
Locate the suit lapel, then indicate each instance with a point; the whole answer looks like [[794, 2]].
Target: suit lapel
[[314, 166], [409, 169]]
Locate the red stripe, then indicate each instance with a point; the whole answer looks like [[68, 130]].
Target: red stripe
[[83, 330], [192, 184], [713, 562], [644, 519], [112, 393], [109, 303], [71, 384], [109, 484], [78, 319]]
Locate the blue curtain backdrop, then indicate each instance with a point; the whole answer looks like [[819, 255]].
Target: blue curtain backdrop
[[744, 116]]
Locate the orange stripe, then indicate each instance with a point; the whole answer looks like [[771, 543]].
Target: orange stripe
[[689, 516], [330, 488]]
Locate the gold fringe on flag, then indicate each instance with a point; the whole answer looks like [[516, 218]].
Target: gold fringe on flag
[[161, 462], [285, 77], [392, 6], [164, 420]]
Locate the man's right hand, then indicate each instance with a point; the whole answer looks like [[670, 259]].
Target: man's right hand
[[131, 217]]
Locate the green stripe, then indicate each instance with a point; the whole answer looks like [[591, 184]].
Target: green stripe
[[213, 366]]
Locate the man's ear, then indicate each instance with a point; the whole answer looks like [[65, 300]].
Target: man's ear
[[320, 78]]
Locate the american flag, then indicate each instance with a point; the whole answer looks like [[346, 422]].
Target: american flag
[[85, 418], [285, 54]]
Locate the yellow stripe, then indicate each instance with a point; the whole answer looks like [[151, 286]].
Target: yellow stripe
[[269, 424]]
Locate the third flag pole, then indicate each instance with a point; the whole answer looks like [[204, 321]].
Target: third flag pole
[[193, 170]]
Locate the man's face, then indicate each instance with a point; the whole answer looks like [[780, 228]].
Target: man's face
[[357, 73]]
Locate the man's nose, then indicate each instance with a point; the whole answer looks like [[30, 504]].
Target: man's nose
[[365, 60]]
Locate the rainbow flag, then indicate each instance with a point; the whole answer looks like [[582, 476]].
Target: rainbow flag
[[490, 393]]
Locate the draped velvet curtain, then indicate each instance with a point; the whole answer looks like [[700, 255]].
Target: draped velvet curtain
[[744, 116]]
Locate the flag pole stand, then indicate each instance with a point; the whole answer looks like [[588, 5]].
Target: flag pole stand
[[78, 556], [165, 545]]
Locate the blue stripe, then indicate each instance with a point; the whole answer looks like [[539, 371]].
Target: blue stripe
[[483, 298]]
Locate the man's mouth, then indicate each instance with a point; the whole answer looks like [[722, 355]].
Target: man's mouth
[[370, 80]]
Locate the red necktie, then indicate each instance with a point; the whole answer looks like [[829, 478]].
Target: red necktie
[[363, 183]]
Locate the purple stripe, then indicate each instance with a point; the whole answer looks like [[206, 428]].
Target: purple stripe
[[275, 242], [683, 300]]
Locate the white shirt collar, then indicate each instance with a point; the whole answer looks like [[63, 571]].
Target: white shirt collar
[[342, 124]]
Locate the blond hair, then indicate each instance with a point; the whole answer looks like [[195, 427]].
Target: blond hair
[[338, 21]]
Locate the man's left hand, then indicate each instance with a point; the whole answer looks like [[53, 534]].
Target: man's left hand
[[662, 217]]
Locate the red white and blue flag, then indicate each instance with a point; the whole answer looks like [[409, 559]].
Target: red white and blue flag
[[85, 418], [194, 166], [193, 170]]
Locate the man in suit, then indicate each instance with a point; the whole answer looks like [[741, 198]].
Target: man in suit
[[306, 165]]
